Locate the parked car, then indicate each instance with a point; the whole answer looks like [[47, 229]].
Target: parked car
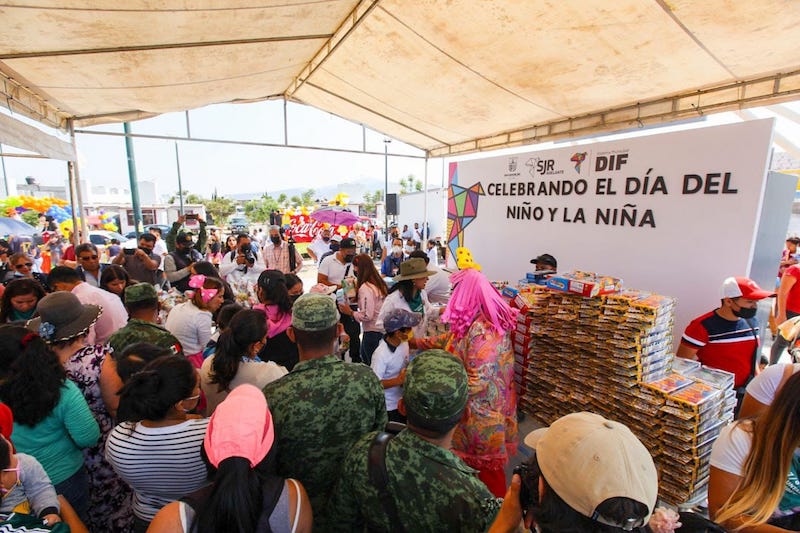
[[164, 230], [102, 238], [238, 224]]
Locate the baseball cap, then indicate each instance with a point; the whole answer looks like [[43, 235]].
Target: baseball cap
[[587, 459], [314, 312], [436, 385], [546, 259], [184, 238], [337, 238], [139, 293], [347, 242], [399, 319], [738, 287], [241, 426]]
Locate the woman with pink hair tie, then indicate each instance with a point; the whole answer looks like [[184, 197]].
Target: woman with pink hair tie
[[480, 335]]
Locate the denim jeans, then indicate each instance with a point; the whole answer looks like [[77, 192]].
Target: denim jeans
[[369, 343], [76, 490]]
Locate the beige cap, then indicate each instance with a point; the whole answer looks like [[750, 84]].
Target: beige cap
[[587, 459]]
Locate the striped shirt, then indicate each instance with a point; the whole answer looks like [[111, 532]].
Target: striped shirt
[[724, 344], [160, 464]]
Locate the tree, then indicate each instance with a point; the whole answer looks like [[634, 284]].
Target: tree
[[410, 183], [307, 198], [404, 185], [219, 209], [259, 210], [282, 199], [371, 200], [193, 199], [176, 196], [418, 185], [295, 201]]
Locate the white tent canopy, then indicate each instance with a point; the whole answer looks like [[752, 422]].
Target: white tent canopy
[[447, 77]]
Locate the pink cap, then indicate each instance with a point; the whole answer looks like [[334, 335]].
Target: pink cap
[[241, 426]]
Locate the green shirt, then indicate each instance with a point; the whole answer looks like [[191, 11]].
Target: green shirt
[[434, 490], [319, 410], [58, 439], [137, 330]]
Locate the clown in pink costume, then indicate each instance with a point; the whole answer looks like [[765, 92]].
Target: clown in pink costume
[[480, 335]]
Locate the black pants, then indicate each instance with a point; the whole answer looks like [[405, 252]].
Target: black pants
[[353, 330], [780, 344]]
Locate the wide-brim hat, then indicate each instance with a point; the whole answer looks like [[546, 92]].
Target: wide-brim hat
[[62, 317], [413, 268]]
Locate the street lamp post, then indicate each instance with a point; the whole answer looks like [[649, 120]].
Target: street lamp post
[[386, 186]]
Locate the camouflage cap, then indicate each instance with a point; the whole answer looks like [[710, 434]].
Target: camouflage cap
[[139, 293], [435, 386], [314, 312]]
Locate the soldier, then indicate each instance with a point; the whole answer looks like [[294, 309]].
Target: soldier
[[141, 301], [322, 406], [431, 488]]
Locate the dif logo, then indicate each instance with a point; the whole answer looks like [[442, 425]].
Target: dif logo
[[610, 162]]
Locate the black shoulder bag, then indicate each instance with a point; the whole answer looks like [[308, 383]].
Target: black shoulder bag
[[379, 476]]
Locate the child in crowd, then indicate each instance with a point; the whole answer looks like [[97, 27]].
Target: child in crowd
[[25, 486], [390, 359]]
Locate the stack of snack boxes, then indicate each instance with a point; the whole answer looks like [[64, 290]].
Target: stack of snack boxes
[[612, 355]]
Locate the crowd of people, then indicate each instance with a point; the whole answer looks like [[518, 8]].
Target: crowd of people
[[279, 411]]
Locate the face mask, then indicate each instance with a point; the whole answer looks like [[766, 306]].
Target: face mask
[[746, 312], [326, 239], [294, 297], [276, 239], [349, 258]]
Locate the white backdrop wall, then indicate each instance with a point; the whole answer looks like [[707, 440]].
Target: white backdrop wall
[[673, 213]]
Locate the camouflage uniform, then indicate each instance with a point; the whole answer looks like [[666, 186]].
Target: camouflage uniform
[[137, 330], [432, 488], [319, 410]]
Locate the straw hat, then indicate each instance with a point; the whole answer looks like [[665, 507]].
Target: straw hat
[[412, 269]]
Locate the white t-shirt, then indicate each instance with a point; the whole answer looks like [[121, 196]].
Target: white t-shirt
[[114, 316], [334, 269], [320, 247], [387, 365], [764, 386], [730, 453], [191, 326], [438, 286], [252, 372], [731, 448], [396, 301]]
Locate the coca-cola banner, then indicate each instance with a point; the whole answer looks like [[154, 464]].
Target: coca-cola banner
[[305, 229]]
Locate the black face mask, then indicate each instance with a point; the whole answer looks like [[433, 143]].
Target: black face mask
[[276, 239], [293, 297], [349, 258], [326, 239], [746, 312]]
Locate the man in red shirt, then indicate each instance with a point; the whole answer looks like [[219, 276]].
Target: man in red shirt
[[727, 337]]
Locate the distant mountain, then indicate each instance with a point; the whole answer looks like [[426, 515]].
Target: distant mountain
[[354, 190]]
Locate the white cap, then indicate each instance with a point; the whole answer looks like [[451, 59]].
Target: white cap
[[587, 459]]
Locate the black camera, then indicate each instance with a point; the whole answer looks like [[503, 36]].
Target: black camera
[[247, 252], [529, 489]]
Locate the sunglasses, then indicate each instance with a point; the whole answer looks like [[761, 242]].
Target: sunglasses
[[23, 265], [87, 257]]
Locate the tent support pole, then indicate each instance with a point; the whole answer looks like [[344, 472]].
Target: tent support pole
[[137, 209], [84, 233], [424, 230]]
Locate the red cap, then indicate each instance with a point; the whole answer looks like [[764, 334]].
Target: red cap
[[743, 288]]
